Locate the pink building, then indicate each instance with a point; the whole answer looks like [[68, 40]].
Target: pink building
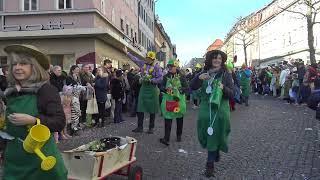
[[72, 31]]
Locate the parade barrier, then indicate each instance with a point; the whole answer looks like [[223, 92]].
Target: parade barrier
[[38, 136], [84, 163]]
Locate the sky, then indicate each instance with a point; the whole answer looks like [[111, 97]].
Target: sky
[[193, 25]]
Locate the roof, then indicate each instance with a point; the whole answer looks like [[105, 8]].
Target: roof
[[217, 44]]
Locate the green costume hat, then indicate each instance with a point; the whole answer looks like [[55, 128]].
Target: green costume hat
[[198, 65], [151, 55], [173, 62]]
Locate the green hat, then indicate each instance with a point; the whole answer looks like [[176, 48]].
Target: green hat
[[173, 62], [30, 50]]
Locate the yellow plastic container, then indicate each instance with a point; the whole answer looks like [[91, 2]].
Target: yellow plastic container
[[38, 135]]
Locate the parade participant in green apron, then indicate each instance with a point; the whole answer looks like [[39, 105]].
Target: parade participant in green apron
[[148, 101], [215, 88], [245, 78], [173, 105], [30, 97]]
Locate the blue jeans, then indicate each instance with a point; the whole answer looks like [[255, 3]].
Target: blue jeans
[[212, 155]]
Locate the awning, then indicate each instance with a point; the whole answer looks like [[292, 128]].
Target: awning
[[89, 58]]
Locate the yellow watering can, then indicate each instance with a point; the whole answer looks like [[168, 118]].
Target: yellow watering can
[[37, 137]]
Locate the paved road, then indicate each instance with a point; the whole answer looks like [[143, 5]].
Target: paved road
[[269, 140]]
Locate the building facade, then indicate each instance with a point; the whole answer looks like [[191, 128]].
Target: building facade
[[278, 35], [146, 9], [164, 48], [73, 31]]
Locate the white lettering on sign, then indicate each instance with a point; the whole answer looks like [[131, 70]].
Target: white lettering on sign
[[37, 27]]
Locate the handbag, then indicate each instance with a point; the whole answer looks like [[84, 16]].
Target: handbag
[[92, 106], [108, 102]]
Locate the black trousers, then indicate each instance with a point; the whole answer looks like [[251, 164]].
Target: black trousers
[[83, 108], [102, 111], [141, 118], [168, 125]]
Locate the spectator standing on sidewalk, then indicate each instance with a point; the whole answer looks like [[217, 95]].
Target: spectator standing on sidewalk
[[100, 86], [117, 92], [73, 78], [31, 98], [87, 79], [57, 79]]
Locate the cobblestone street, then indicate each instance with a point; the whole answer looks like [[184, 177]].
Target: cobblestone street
[[269, 140]]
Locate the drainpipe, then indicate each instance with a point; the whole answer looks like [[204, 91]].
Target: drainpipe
[[2, 23], [139, 34]]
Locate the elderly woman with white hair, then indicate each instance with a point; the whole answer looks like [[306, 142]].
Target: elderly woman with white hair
[[30, 98]]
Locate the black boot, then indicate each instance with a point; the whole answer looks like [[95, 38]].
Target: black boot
[[209, 170], [164, 141], [217, 157], [179, 139], [138, 130], [150, 131]]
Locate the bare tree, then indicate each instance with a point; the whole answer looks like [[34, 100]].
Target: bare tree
[[245, 37], [313, 9]]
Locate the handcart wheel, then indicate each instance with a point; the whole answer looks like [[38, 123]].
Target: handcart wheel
[[135, 173]]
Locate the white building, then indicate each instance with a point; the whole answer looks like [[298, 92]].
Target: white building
[[278, 35]]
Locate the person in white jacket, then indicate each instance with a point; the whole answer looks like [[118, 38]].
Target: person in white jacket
[[283, 76]]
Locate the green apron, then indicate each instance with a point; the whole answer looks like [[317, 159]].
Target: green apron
[[245, 84], [19, 164], [219, 140], [172, 115], [148, 101]]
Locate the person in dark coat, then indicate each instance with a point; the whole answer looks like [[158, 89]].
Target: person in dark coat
[[86, 79], [31, 100], [56, 78], [117, 92], [100, 86], [3, 78], [214, 115], [73, 78]]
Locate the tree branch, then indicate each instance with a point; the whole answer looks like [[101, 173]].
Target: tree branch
[[315, 3], [295, 12], [316, 23]]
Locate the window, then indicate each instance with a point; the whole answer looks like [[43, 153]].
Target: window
[[30, 5], [135, 37], [113, 16], [127, 29], [139, 33], [56, 60], [131, 33], [121, 24], [65, 4], [103, 9], [1, 5]]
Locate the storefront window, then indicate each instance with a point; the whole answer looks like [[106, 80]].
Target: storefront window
[[56, 60]]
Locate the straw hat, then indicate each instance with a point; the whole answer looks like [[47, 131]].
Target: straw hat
[[30, 50]]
